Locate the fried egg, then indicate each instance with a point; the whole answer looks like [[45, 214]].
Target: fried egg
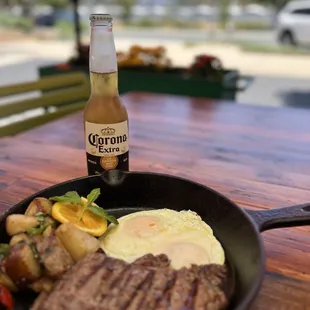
[[183, 236]]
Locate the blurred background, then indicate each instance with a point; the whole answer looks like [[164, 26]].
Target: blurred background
[[266, 39]]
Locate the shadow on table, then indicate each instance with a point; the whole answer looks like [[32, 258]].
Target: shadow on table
[[296, 99]]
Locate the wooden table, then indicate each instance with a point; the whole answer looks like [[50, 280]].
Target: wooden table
[[259, 157]]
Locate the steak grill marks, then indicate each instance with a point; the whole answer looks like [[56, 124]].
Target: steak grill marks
[[98, 282], [134, 282]]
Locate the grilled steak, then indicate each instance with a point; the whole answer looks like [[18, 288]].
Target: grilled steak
[[98, 282], [149, 260]]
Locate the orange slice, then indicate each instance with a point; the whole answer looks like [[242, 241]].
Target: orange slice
[[69, 213]]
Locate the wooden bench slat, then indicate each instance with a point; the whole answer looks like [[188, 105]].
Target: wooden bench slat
[[54, 98], [45, 83], [68, 92], [21, 126]]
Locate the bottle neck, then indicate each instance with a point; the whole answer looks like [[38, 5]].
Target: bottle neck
[[103, 60], [104, 84]]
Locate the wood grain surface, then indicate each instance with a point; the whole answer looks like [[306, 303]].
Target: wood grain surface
[[257, 156]]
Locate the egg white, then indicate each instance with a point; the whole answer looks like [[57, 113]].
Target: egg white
[[182, 236]]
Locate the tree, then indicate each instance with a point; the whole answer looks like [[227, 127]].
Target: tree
[[55, 4], [277, 4], [5, 3], [27, 6], [127, 8], [224, 12], [191, 2]]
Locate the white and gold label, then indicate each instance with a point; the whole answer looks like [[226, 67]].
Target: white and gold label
[[106, 140]]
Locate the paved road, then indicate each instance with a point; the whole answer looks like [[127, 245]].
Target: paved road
[[196, 35], [277, 91]]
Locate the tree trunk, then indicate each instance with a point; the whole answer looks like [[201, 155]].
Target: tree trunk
[[212, 26], [127, 12], [26, 10], [224, 13], [77, 26], [5, 3]]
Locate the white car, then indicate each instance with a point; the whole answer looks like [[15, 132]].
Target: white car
[[293, 23]]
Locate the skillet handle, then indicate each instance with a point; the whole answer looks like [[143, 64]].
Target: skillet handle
[[298, 215]]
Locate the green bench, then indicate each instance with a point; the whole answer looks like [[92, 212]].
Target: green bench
[[59, 95]]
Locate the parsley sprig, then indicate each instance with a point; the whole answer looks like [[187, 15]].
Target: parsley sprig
[[69, 197], [74, 198], [40, 216]]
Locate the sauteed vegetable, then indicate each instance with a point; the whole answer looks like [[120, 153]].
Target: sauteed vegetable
[[49, 238]]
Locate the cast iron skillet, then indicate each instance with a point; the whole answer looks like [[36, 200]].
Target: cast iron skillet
[[237, 229]]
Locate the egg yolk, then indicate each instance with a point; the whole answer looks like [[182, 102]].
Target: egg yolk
[[142, 226]]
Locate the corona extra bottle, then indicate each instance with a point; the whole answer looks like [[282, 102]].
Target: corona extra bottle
[[105, 116]]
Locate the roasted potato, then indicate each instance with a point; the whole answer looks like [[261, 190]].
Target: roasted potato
[[19, 223], [21, 265], [77, 242], [43, 284], [54, 256], [39, 204], [48, 231], [7, 282], [19, 238]]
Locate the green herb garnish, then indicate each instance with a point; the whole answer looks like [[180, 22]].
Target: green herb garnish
[[91, 197], [40, 216], [101, 212], [4, 249], [70, 197], [37, 230], [34, 251]]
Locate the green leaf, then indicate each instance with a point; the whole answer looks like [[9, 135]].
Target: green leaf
[[70, 197], [40, 216], [34, 251], [36, 230], [92, 196], [4, 249], [101, 212]]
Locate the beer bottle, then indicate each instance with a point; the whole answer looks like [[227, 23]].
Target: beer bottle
[[105, 116]]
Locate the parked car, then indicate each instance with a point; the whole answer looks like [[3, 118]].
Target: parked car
[[293, 23], [47, 20]]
